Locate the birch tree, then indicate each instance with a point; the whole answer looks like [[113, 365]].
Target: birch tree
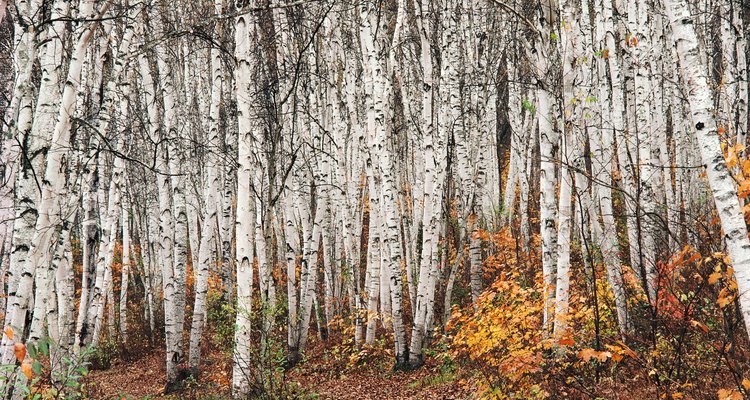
[[44, 238], [244, 26], [694, 75]]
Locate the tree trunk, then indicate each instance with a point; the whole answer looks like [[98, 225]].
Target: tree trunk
[[694, 74]]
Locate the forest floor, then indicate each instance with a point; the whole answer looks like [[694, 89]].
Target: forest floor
[[323, 375], [332, 369]]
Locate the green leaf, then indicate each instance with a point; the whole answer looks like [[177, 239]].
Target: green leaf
[[44, 347], [31, 349], [528, 106], [36, 367]]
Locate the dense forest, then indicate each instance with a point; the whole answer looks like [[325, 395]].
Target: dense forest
[[374, 199]]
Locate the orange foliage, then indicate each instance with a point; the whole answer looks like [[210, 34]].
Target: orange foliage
[[503, 336]]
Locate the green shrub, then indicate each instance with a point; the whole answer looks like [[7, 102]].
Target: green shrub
[[47, 372], [101, 356]]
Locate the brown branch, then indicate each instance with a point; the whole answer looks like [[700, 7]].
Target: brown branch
[[517, 14]]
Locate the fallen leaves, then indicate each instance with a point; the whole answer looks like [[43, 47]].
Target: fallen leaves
[[726, 297], [729, 394], [699, 325]]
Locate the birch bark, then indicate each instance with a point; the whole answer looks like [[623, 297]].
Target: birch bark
[[210, 220], [53, 185], [241, 372], [695, 74], [435, 158], [33, 132]]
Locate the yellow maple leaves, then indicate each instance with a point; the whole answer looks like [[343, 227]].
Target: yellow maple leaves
[[714, 278], [729, 394], [503, 336], [589, 354], [736, 161], [723, 277], [728, 292], [734, 394], [615, 352], [731, 156]]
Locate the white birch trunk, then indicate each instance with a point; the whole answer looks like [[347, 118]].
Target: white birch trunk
[[34, 132], [700, 97], [435, 158], [241, 367], [45, 238], [210, 219], [646, 171], [125, 274], [103, 286], [602, 168]]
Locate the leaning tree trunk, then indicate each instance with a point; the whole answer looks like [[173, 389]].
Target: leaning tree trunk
[[46, 232], [700, 97], [33, 134]]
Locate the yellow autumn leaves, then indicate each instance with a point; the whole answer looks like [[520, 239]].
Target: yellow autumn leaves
[[615, 352]]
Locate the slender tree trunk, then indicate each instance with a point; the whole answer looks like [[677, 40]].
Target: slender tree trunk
[[44, 238], [435, 158], [33, 133], [700, 98], [241, 368], [125, 279]]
